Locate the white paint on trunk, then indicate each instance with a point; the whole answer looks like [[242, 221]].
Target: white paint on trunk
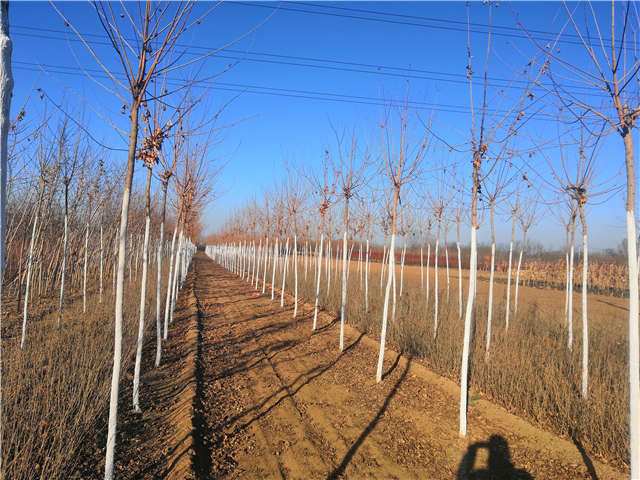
[[6, 88], [319, 269], [490, 304], [466, 340], [634, 348], [295, 274], [28, 285], [343, 303], [508, 307], [167, 305], [459, 280], [143, 302], [284, 272], [158, 298], [585, 318], [385, 310]]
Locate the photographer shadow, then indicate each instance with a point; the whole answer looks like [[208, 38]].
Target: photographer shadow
[[499, 465]]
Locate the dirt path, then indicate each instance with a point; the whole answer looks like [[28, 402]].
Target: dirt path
[[248, 392]]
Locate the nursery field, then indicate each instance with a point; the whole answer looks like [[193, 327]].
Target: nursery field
[[247, 391]]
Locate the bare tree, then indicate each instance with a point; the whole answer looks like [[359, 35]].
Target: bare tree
[[400, 158]]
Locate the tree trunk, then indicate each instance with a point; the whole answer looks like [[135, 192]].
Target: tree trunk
[[167, 305], [491, 275], [29, 266], [385, 311], [585, 318], [64, 253], [273, 275], [468, 316], [428, 273], [343, 304], [366, 279], [122, 253], [143, 293], [508, 307], [459, 279], [284, 272], [159, 277], [515, 300], [295, 273], [634, 341], [6, 88], [266, 264], [315, 311], [436, 293], [571, 257]]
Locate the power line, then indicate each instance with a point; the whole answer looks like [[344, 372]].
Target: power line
[[280, 92], [339, 65], [548, 36]]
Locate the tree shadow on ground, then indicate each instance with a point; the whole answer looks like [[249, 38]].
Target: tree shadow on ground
[[499, 465], [338, 472]]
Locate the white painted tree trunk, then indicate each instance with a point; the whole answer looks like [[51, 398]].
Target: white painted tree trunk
[[119, 303], [421, 269], [273, 275], [158, 298], [143, 298], [570, 312], [508, 306], [634, 345], [404, 252], [284, 272], [385, 310], [490, 301], [28, 285], [115, 264], [6, 88], [366, 279], [328, 266], [459, 280], [176, 276], [319, 269], [266, 264], [393, 286], [167, 305], [384, 260], [515, 300], [446, 262], [466, 341], [295, 274], [436, 293], [428, 272], [343, 303], [566, 288], [360, 262]]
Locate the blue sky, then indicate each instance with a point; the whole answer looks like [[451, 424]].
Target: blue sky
[[302, 54]]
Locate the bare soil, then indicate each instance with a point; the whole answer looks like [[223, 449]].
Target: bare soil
[[246, 391]]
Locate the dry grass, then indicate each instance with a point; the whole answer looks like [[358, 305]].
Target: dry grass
[[55, 390], [530, 370]]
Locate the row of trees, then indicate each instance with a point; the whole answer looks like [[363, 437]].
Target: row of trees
[[72, 219], [502, 173]]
